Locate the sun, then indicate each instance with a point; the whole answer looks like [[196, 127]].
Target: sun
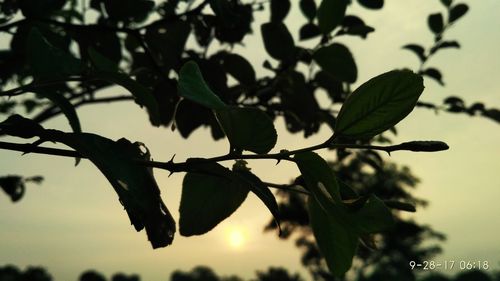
[[236, 238]]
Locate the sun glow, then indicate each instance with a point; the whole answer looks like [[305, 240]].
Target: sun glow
[[236, 238]]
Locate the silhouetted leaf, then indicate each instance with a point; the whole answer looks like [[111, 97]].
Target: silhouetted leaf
[[417, 50], [239, 68], [402, 206], [336, 243], [165, 93], [233, 21], [248, 128], [6, 106], [47, 61], [203, 28], [478, 106], [40, 8], [262, 191], [308, 8], [337, 60], [331, 85], [210, 194], [308, 31], [143, 96], [493, 114], [445, 44], [455, 104], [13, 186], [168, 41], [458, 11], [330, 14], [379, 104], [192, 86], [372, 4], [434, 74], [278, 41], [186, 122], [446, 3], [353, 25], [134, 183], [279, 10], [128, 10], [436, 23], [63, 103], [18, 126]]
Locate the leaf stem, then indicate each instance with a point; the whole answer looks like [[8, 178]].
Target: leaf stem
[[286, 187]]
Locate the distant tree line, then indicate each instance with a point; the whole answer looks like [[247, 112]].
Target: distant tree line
[[203, 273]]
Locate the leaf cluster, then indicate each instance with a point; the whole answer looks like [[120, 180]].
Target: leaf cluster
[[141, 47]]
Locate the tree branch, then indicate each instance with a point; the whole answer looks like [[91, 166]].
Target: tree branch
[[284, 155], [33, 85]]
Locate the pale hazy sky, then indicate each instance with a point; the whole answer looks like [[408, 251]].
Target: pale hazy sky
[[74, 221]]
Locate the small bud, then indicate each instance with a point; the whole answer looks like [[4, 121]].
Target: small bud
[[429, 146]]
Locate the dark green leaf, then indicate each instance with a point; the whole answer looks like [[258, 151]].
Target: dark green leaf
[[248, 128], [262, 191], [417, 50], [372, 4], [278, 41], [373, 217], [192, 86], [436, 23], [445, 44], [279, 10], [379, 104], [337, 60], [47, 61], [346, 192], [308, 8], [239, 68], [330, 14], [209, 195], [336, 225], [318, 177], [337, 243], [308, 31], [434, 74], [134, 183], [458, 11]]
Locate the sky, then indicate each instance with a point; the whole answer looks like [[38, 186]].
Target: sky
[[74, 222]]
